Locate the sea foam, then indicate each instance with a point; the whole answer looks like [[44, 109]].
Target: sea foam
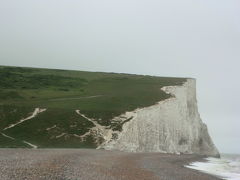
[[227, 167]]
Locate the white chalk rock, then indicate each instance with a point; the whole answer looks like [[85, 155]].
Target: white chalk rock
[[171, 126]]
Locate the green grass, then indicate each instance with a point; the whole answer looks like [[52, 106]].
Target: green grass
[[63, 121], [9, 143], [62, 92]]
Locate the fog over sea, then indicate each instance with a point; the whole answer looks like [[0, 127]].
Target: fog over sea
[[227, 167]]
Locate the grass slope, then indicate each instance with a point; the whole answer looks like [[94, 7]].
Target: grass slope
[[98, 95]]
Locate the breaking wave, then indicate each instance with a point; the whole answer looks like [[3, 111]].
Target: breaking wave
[[227, 167]]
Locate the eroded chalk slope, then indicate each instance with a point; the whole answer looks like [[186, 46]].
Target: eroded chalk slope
[[172, 126]]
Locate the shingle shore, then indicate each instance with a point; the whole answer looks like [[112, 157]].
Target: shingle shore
[[90, 164]]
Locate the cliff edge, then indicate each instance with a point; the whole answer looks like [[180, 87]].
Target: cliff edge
[[171, 126]]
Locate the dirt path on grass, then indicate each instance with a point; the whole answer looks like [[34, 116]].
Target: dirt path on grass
[[100, 130], [73, 98], [34, 114]]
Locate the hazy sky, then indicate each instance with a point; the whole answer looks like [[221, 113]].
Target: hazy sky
[[187, 38]]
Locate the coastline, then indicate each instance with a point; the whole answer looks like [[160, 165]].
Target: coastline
[[90, 164]]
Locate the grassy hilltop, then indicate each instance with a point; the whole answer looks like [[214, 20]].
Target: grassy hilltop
[[99, 96]]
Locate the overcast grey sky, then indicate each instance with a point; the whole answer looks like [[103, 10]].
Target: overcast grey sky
[[187, 38]]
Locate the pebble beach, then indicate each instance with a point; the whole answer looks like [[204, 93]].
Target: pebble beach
[[91, 164]]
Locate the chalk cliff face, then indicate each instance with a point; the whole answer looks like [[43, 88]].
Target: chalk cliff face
[[172, 126]]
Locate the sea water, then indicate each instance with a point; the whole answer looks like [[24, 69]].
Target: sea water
[[227, 167]]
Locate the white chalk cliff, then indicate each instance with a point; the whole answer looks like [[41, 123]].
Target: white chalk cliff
[[172, 126]]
